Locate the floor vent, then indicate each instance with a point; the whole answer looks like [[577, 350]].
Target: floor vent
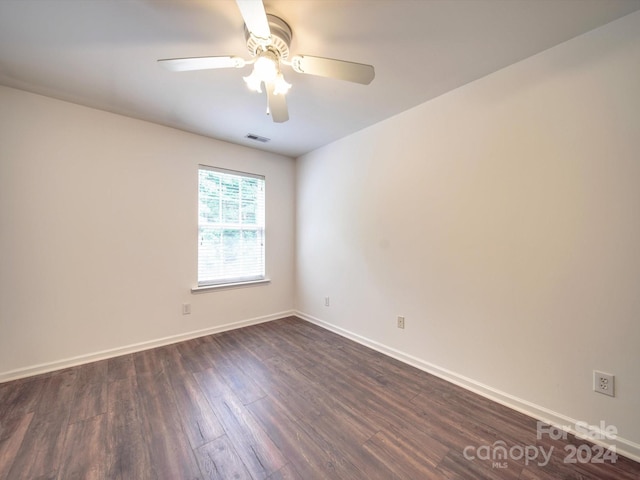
[[257, 138]]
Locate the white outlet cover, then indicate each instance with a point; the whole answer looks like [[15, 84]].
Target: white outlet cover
[[604, 383]]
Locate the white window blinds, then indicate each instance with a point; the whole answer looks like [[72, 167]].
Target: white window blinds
[[230, 227]]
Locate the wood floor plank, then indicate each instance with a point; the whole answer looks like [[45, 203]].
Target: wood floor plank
[[457, 404], [122, 397], [153, 361], [336, 412], [308, 402], [128, 454], [120, 367], [309, 459], [280, 380], [54, 400], [258, 452], [383, 404], [288, 472], [219, 460], [275, 344], [20, 397], [84, 455], [620, 469], [242, 384], [241, 356], [198, 420], [338, 442], [455, 466], [169, 451], [40, 454], [472, 426], [404, 459], [355, 368], [537, 474], [90, 397], [375, 368], [12, 432], [335, 427], [41, 450], [382, 412], [195, 356], [258, 343]]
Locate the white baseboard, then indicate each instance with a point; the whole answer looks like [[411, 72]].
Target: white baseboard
[[136, 347], [622, 446]]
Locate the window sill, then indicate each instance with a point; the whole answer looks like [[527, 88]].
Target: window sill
[[224, 286]]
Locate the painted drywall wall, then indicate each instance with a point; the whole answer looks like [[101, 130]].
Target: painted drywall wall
[[98, 233], [502, 220]]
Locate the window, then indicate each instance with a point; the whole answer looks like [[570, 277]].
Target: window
[[230, 227]]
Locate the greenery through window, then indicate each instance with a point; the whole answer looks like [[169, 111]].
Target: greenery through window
[[230, 227]]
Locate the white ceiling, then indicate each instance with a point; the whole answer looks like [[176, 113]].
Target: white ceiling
[[102, 53]]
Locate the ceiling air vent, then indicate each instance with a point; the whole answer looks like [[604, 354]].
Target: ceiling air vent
[[257, 138]]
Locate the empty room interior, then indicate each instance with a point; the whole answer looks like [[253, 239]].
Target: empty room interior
[[410, 250]]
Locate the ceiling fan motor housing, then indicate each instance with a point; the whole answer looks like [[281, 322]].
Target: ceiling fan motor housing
[[280, 38]]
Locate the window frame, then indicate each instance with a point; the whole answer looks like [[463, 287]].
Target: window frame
[[221, 225]]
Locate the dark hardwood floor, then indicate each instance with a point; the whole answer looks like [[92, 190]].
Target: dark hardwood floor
[[280, 400]]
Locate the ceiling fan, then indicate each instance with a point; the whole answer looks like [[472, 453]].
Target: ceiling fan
[[268, 39]]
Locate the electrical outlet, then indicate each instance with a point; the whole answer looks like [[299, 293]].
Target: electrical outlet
[[326, 301], [186, 308], [400, 322], [603, 383]]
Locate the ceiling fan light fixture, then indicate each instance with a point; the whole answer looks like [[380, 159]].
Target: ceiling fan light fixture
[[280, 85], [266, 70], [254, 82]]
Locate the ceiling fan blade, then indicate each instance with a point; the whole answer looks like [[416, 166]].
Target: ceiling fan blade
[[330, 68], [277, 105], [201, 63], [255, 18]]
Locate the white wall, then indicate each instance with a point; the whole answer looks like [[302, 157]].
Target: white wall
[[98, 233], [503, 221]]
